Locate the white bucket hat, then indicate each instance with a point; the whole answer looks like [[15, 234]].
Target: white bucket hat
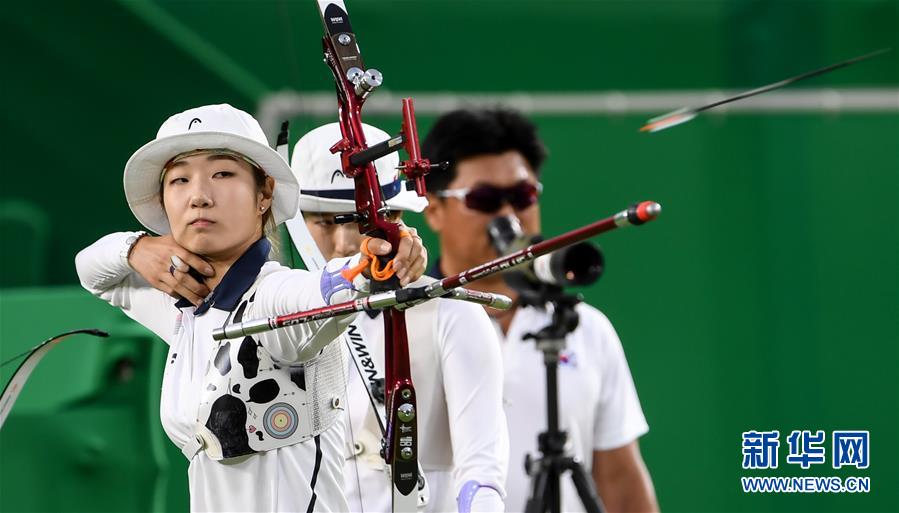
[[207, 127], [324, 187]]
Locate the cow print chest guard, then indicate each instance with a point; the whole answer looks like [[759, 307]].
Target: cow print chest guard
[[252, 403]]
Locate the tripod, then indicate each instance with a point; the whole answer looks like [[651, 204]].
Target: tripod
[[546, 471]]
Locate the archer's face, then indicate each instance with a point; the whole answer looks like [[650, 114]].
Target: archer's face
[[214, 206], [333, 240], [337, 240], [463, 231]]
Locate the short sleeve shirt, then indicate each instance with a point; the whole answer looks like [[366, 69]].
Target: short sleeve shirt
[[598, 404]]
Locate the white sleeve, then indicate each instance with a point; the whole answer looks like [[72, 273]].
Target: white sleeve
[[296, 290], [105, 273], [473, 384], [619, 417]]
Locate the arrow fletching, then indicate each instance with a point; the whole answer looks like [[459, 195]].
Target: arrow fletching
[[669, 120]]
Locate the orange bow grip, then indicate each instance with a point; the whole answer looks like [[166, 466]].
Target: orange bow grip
[[371, 260]]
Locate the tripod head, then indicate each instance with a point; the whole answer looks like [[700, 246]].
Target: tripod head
[[565, 318]]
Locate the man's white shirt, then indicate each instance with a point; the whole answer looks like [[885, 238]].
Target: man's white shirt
[[598, 404], [457, 370]]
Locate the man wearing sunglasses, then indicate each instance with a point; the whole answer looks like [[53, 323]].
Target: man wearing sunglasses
[[495, 158]]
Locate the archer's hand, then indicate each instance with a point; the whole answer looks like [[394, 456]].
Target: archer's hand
[[151, 257], [411, 258]]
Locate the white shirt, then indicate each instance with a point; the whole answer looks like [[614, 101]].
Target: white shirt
[[598, 404], [276, 480], [456, 367]]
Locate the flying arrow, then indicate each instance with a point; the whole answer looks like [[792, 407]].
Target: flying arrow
[[685, 114]]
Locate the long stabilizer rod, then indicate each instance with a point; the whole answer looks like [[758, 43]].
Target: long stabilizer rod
[[635, 215]]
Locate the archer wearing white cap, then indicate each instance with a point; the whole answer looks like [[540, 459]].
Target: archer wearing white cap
[[454, 354], [260, 418]]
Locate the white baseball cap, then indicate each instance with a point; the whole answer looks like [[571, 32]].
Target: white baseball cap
[[207, 127], [324, 187]]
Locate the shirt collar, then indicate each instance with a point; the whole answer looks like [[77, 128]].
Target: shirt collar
[[239, 278], [434, 271]]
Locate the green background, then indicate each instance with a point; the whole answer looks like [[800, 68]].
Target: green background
[[765, 297]]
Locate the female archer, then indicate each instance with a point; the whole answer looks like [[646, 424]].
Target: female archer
[[260, 418], [455, 358]]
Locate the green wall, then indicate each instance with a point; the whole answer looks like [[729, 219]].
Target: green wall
[[765, 297]]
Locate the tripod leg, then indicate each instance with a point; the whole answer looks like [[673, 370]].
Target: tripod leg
[[584, 485], [555, 490], [537, 501]]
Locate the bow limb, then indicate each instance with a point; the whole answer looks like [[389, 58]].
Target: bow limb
[[32, 358]]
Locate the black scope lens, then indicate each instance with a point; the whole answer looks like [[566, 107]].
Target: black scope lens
[[579, 264]]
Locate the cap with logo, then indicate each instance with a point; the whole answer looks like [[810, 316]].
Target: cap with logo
[[324, 187], [212, 127]]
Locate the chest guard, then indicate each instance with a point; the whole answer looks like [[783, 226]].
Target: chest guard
[[252, 403]]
